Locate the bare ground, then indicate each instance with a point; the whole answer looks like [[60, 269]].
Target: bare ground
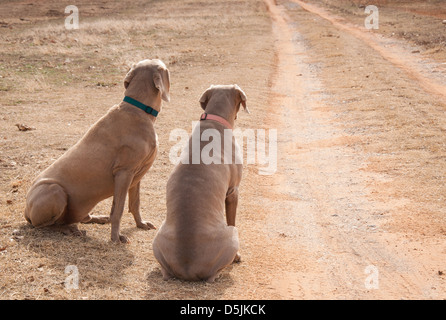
[[359, 190]]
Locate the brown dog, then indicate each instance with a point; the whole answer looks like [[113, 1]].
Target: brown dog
[[195, 242], [109, 160]]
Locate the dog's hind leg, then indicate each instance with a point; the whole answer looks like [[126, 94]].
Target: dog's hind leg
[[228, 255], [166, 274], [164, 269], [45, 204]]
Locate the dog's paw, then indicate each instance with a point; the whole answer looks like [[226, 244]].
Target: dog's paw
[[100, 219], [79, 233], [145, 225], [124, 239], [72, 230], [120, 239], [97, 219], [237, 258]]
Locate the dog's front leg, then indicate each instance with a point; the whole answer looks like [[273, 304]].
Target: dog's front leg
[[231, 202], [122, 181], [134, 208], [231, 206]]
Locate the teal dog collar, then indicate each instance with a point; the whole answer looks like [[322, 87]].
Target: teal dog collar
[[141, 106]]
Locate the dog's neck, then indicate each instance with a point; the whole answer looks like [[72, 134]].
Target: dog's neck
[[152, 100], [222, 109], [213, 117]]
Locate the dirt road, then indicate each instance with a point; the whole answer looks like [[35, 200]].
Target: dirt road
[[332, 220], [355, 209]]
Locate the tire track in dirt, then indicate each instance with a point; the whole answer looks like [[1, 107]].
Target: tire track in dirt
[[388, 48], [326, 221]]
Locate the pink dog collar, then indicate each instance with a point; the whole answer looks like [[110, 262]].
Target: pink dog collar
[[206, 116]]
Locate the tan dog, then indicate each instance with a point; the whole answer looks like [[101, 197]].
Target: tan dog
[[109, 160], [195, 241]]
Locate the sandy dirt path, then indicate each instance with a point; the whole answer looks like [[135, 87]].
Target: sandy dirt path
[[327, 218]]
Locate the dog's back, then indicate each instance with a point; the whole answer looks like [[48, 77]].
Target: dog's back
[[195, 242], [84, 172]]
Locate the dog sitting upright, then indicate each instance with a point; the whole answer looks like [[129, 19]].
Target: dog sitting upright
[[109, 160], [195, 241]]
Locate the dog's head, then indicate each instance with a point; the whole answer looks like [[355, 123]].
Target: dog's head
[[148, 76], [224, 96]]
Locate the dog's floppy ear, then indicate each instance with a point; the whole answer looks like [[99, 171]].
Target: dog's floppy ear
[[161, 79], [242, 97], [129, 76], [205, 98]]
